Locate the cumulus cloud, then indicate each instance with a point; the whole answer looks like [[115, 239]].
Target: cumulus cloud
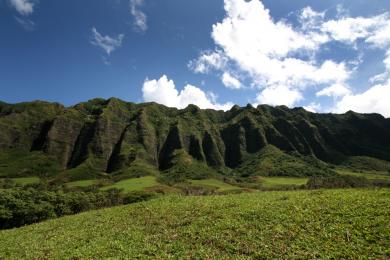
[[373, 29], [140, 18], [382, 77], [107, 43], [335, 90], [208, 61], [310, 19], [381, 37], [270, 53], [313, 107], [23, 7], [279, 95], [281, 59], [374, 100], [230, 82], [163, 91]]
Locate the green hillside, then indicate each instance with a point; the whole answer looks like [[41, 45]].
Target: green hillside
[[271, 161], [135, 184], [298, 224], [115, 140]]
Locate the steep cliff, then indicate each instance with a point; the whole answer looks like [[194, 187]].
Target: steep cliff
[[107, 136]]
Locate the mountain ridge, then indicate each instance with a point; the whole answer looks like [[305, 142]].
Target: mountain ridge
[[107, 136]]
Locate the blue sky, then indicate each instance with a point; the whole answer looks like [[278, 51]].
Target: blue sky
[[327, 56]]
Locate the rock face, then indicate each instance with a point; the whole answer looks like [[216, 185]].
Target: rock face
[[109, 135]]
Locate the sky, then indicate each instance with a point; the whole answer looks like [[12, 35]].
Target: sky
[[325, 56]]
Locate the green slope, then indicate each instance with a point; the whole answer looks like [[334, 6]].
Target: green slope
[[271, 161], [301, 224], [135, 184], [218, 184], [275, 182], [367, 164]]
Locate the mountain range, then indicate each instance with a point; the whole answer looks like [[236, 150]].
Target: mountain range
[[113, 137]]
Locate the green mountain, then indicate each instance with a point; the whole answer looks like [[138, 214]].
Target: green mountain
[[112, 137]]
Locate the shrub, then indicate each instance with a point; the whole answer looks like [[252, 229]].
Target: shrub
[[337, 181], [19, 207], [137, 196]]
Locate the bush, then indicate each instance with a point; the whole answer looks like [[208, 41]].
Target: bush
[[7, 183], [21, 207], [381, 183], [337, 181], [137, 196]]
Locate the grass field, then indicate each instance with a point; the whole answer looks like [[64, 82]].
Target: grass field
[[26, 180], [134, 184], [220, 185], [371, 175], [84, 183], [291, 224], [273, 182]]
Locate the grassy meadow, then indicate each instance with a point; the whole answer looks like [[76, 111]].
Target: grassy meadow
[[371, 175], [134, 184], [350, 223], [214, 183], [26, 180], [83, 183], [275, 182]]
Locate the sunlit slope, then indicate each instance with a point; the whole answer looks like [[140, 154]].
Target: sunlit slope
[[298, 224]]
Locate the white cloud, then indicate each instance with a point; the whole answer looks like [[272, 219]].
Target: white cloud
[[310, 19], [373, 30], [24, 7], [382, 77], [335, 90], [279, 95], [386, 61], [341, 11], [379, 78], [208, 61], [270, 53], [163, 91], [313, 107], [374, 100], [381, 37], [140, 18], [230, 82], [248, 25], [282, 60], [107, 43], [26, 23], [348, 29]]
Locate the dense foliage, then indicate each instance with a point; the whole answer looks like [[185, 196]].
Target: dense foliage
[[20, 207], [338, 181]]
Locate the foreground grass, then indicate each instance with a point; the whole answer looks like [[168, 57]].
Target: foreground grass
[[134, 184], [220, 185], [296, 224], [273, 182]]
